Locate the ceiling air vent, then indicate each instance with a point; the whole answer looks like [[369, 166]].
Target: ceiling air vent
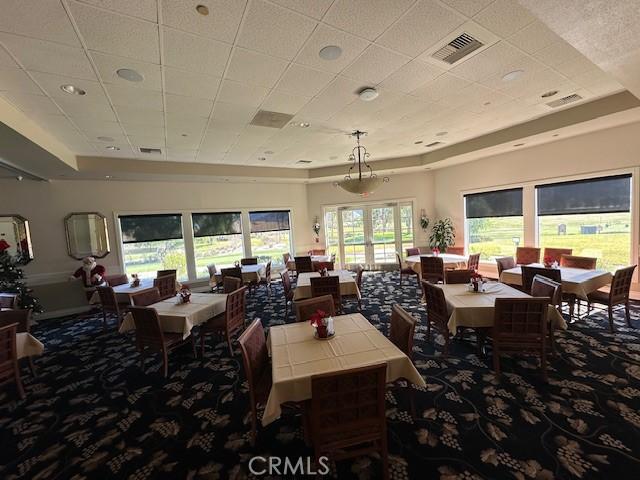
[[458, 48], [265, 118], [434, 144], [150, 150], [303, 161], [564, 100]]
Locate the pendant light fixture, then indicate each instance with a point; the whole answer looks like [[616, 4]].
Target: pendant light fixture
[[363, 181]]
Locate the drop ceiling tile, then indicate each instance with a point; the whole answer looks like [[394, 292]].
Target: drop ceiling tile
[[489, 62], [85, 111], [178, 141], [284, 102], [374, 65], [285, 35], [196, 54], [43, 19], [577, 66], [241, 93], [534, 83], [504, 17], [185, 124], [15, 80], [96, 128], [527, 64], [443, 86], [137, 116], [534, 37], [147, 141], [411, 76], [334, 98], [179, 104], [303, 81], [135, 97], [475, 98], [51, 83], [181, 154], [117, 34], [421, 27], [147, 9], [221, 23], [324, 35], [366, 18], [125, 150], [315, 8], [31, 103], [108, 65], [42, 56], [231, 114], [143, 129], [468, 7], [245, 65], [190, 84]]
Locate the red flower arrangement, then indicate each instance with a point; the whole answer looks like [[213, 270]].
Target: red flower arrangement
[[4, 245], [476, 280], [436, 251], [547, 260], [319, 321]]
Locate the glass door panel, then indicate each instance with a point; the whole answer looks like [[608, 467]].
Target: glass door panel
[[383, 234], [353, 235]]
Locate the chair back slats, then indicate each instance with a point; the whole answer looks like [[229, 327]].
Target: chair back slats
[[305, 308], [621, 284], [528, 273], [402, 330], [574, 261], [255, 356], [432, 269], [249, 261], [235, 272], [286, 285], [8, 353], [115, 280], [330, 285], [8, 300], [455, 250], [148, 331], [146, 297], [235, 312], [19, 316], [458, 276], [231, 284], [411, 252], [542, 286], [164, 273], [505, 263], [303, 264], [348, 408], [166, 285], [474, 262], [108, 299], [527, 255], [520, 320], [436, 304], [555, 254]]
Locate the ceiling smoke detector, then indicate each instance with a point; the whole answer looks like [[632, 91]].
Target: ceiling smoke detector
[[72, 90], [367, 94], [330, 52], [129, 74]]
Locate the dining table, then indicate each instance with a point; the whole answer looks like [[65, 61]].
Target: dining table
[[126, 291], [296, 356], [348, 285], [177, 317], [250, 273], [27, 345], [450, 260]]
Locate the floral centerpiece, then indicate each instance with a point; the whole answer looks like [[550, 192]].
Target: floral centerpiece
[[322, 323], [435, 251], [476, 281], [185, 294], [136, 280]]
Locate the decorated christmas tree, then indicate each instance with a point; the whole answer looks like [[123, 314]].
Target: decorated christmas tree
[[12, 279]]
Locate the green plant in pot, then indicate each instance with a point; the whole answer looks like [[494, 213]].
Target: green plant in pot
[[443, 235]]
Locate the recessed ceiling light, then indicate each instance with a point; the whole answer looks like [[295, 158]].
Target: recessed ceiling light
[[519, 145], [72, 89], [262, 159], [184, 135], [367, 94], [441, 134], [418, 142], [112, 147], [202, 10], [550, 93], [129, 75], [512, 75], [301, 124], [107, 176], [330, 52], [105, 139]]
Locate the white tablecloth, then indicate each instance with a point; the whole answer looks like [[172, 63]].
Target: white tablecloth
[[348, 284], [28, 345], [471, 309], [450, 260], [577, 281], [315, 260], [296, 356], [181, 318], [250, 273]]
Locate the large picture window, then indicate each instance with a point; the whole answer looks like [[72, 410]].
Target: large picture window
[[406, 226], [270, 235], [151, 243], [592, 216], [494, 223], [217, 239]]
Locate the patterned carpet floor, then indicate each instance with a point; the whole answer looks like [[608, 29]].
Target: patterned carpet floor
[[92, 413]]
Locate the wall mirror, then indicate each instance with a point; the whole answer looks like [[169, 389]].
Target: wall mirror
[[14, 230], [86, 235]]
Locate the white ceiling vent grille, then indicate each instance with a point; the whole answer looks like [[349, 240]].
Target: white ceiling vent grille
[[150, 150], [434, 144], [564, 100], [265, 118], [458, 48]]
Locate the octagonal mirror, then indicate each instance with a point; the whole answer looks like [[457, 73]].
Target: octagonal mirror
[[87, 235], [14, 230]]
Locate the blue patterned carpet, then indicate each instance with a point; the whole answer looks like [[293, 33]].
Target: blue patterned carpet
[[92, 413]]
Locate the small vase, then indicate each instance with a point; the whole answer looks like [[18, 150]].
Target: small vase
[[322, 331]]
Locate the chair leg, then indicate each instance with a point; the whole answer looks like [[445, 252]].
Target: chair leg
[[254, 426], [400, 278], [627, 313], [19, 386], [610, 310], [496, 359], [445, 352], [384, 455], [202, 337], [193, 346], [229, 343], [32, 367], [543, 363], [165, 363]]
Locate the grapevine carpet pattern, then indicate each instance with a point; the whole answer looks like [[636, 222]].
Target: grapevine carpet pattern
[[92, 413]]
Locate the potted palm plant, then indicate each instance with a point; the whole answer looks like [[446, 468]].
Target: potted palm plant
[[443, 235]]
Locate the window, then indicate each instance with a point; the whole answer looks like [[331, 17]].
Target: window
[[152, 243], [332, 233], [217, 239], [406, 226], [593, 217], [270, 235], [494, 223]]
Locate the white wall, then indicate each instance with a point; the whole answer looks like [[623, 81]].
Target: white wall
[[45, 204]]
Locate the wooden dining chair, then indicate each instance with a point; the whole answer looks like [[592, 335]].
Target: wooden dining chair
[[151, 338], [146, 297], [347, 414], [412, 252], [166, 285], [266, 278], [9, 369], [555, 254], [249, 261], [432, 269], [327, 286], [455, 250], [164, 273], [528, 274], [257, 368], [235, 272], [215, 280], [21, 317], [574, 261], [437, 313], [402, 330], [474, 262], [8, 300], [458, 277], [307, 307], [228, 323], [520, 325], [527, 255], [303, 265], [618, 294], [505, 263], [287, 291], [110, 305], [115, 280], [405, 271], [231, 284], [545, 287]]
